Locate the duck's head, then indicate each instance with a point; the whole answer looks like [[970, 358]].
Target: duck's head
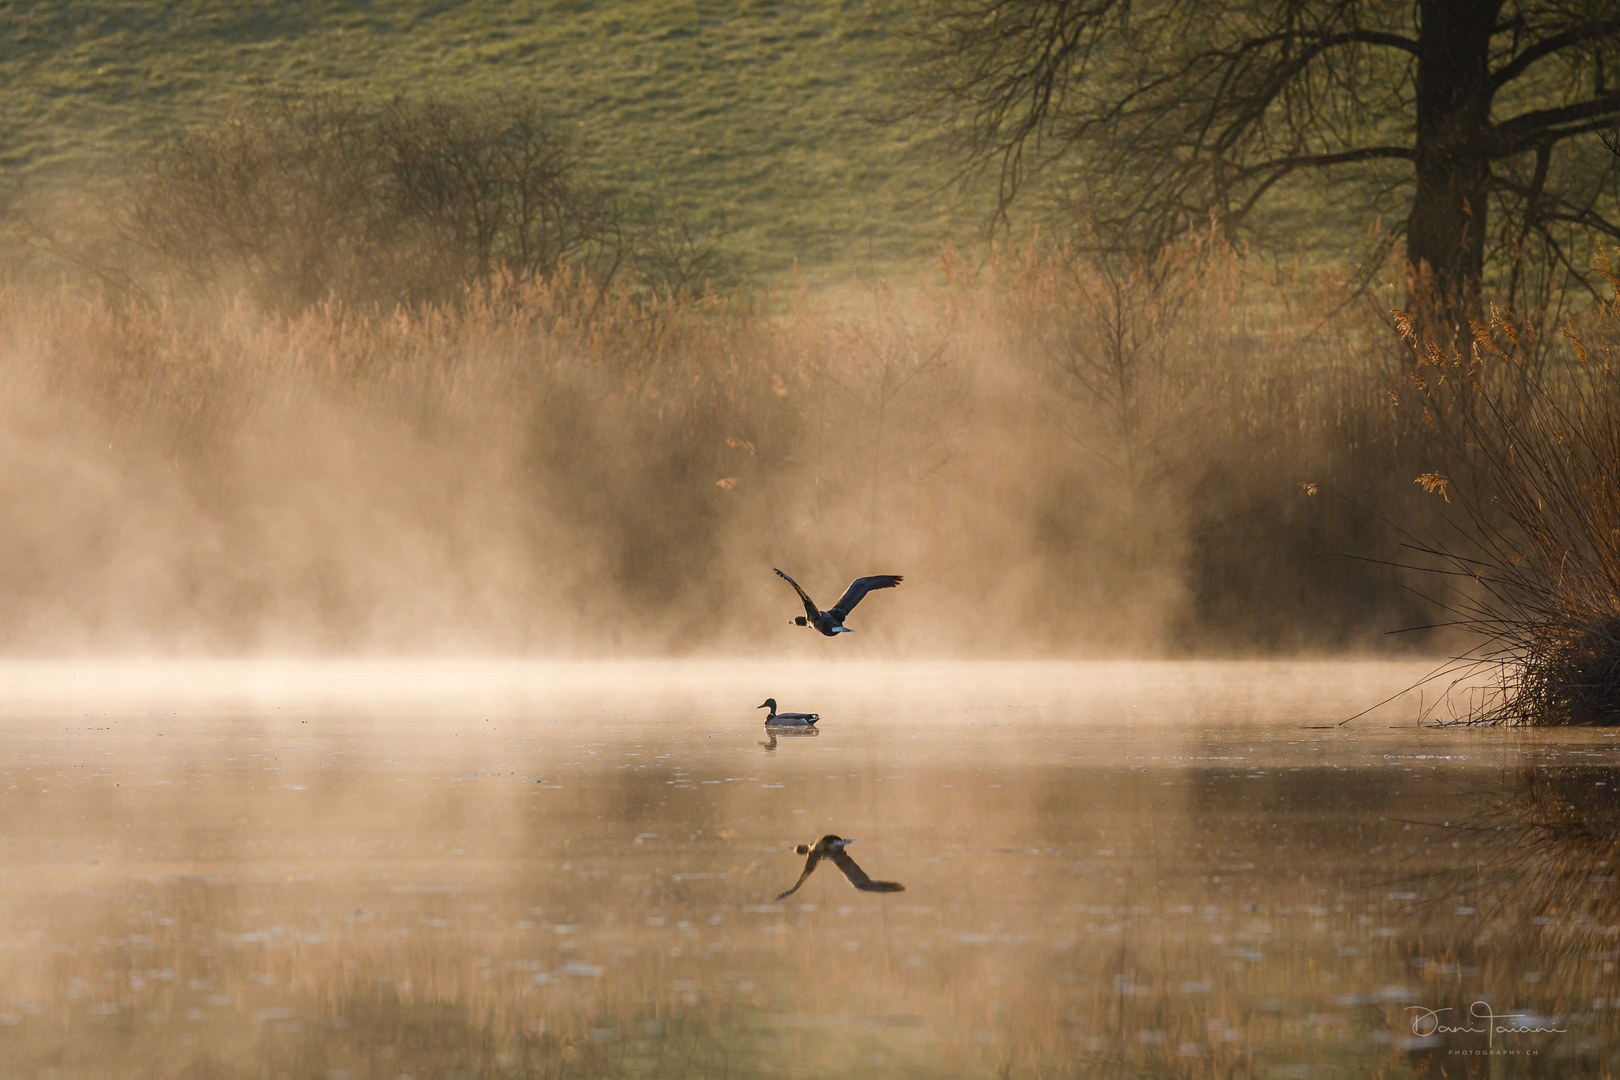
[[770, 703], [802, 849], [800, 621]]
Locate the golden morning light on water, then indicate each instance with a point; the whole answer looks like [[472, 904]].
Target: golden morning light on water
[[1187, 868], [1006, 539]]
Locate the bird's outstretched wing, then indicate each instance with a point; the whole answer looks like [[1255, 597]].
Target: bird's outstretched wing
[[857, 589], [810, 863], [809, 604], [857, 876]]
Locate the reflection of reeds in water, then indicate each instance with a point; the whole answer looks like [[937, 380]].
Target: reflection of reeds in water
[[1542, 888]]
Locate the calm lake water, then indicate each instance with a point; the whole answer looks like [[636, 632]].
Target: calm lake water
[[516, 870]]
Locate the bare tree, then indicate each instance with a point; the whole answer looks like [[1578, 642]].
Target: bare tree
[[1171, 113], [297, 201], [1113, 352], [280, 200], [888, 414], [493, 184]]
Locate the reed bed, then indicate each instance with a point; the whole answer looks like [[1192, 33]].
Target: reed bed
[[1531, 546], [1082, 457], [1201, 454]]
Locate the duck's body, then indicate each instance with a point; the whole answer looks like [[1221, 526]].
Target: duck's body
[[787, 719], [831, 621], [832, 847]]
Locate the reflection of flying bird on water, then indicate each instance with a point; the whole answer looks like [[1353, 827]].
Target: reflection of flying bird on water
[[788, 718], [832, 847], [831, 621]]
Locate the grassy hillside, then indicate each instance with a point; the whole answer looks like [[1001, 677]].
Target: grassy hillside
[[753, 118]]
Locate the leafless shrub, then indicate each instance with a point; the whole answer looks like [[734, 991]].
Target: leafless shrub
[[300, 201], [1533, 547], [670, 256], [495, 187], [280, 200]]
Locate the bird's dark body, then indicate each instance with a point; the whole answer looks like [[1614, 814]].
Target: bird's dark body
[[831, 621]]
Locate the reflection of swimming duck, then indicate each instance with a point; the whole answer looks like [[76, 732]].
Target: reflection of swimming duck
[[831, 621], [786, 718], [772, 733], [832, 847]]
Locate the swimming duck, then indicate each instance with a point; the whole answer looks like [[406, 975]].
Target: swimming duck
[[832, 847], [831, 621], [793, 718]]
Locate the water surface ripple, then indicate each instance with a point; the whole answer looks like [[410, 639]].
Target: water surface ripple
[[376, 869]]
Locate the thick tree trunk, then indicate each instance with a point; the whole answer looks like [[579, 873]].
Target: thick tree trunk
[[1445, 233]]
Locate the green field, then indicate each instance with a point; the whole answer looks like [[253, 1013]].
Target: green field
[[759, 121], [755, 119]]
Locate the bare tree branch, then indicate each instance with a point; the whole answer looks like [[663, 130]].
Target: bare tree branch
[[1515, 134], [1147, 118], [1575, 35]]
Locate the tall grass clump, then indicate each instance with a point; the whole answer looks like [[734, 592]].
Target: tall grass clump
[[1531, 546]]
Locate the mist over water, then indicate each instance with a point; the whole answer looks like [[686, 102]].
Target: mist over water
[[390, 500], [547, 468]]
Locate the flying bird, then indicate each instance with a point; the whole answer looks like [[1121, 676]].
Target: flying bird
[[831, 621], [832, 847], [794, 718]]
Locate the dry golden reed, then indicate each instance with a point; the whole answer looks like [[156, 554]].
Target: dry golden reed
[[1532, 549], [1061, 456]]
